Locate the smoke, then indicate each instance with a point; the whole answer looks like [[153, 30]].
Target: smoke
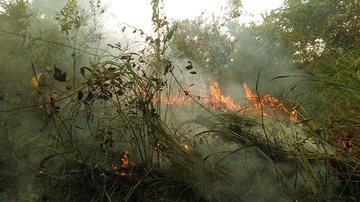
[[254, 178], [28, 36], [249, 176], [22, 148], [257, 58]]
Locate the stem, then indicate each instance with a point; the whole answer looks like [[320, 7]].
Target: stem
[[74, 58]]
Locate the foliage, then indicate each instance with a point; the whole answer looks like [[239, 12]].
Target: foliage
[[111, 140], [314, 28], [15, 29], [323, 37], [233, 54], [15, 18], [80, 31], [112, 113], [203, 44]]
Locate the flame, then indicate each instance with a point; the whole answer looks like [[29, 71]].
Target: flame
[[256, 104], [219, 101], [124, 164], [261, 103], [248, 93], [178, 98], [294, 114], [125, 159]]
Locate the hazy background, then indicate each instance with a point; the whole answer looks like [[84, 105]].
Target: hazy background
[[22, 139]]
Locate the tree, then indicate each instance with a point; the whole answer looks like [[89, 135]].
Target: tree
[[315, 29], [231, 53], [323, 37], [79, 31]]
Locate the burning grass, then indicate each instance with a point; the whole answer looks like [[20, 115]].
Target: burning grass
[[281, 134], [110, 141]]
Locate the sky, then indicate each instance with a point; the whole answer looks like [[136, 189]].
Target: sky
[[137, 13]]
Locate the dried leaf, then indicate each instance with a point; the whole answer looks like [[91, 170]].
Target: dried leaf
[[89, 97], [59, 75], [189, 67], [80, 95], [168, 68]]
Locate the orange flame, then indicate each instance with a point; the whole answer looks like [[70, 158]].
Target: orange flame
[[178, 98], [219, 101], [294, 114], [248, 93], [267, 102], [124, 162], [124, 158]]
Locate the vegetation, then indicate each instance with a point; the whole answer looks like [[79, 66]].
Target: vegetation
[[112, 135]]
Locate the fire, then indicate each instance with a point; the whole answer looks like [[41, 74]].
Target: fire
[[124, 164], [178, 98], [248, 93], [267, 102], [219, 101], [294, 114], [125, 159]]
